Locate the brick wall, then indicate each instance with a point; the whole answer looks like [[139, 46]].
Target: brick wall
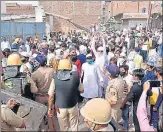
[[20, 9], [86, 13], [83, 13], [134, 7]]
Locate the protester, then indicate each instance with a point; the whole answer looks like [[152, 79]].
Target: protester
[[77, 65], [26, 66], [142, 112], [128, 84], [6, 52], [134, 95], [5, 44], [92, 79], [138, 59]]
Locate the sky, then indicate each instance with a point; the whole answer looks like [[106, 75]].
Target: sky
[[24, 2]]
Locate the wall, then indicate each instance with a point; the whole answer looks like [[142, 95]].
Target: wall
[[125, 24], [12, 29], [3, 7], [134, 22], [20, 9], [83, 13], [134, 7]]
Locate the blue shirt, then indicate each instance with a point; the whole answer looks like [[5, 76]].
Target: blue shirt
[[150, 75]]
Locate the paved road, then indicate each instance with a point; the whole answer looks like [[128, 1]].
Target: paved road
[[82, 126]]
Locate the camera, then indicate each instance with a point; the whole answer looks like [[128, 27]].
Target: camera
[[155, 83]]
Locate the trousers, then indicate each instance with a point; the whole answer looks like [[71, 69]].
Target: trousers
[[68, 118], [125, 116], [154, 117], [135, 119], [143, 53]]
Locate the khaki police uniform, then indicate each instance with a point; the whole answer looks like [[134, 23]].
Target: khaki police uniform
[[114, 95], [33, 85], [9, 120]]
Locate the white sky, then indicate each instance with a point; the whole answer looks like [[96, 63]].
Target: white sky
[[24, 2]]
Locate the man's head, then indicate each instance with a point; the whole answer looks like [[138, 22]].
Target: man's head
[[64, 64], [113, 60], [124, 70], [4, 39], [14, 59], [28, 39], [51, 49], [138, 74], [96, 117], [150, 65], [137, 50], [41, 59], [72, 51], [44, 51], [113, 71], [24, 57], [159, 71], [6, 52]]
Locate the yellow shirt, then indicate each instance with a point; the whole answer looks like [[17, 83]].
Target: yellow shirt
[[138, 60]]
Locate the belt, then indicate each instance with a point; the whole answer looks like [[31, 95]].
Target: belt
[[42, 95]]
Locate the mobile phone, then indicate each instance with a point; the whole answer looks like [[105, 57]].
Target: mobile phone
[[155, 83]]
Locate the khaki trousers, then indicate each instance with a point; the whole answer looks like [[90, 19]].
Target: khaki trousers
[[43, 99], [116, 112], [68, 118]]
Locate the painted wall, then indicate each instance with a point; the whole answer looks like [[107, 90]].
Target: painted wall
[[3, 7], [25, 29]]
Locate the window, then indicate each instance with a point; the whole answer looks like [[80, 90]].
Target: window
[[144, 10]]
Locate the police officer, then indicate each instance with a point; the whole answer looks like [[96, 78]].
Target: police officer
[[14, 60], [9, 119], [97, 115]]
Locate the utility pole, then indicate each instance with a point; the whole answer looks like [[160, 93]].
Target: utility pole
[[149, 14], [138, 6]]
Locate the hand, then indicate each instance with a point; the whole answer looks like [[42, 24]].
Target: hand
[[146, 86], [11, 103], [57, 109], [122, 106], [154, 109], [50, 113]]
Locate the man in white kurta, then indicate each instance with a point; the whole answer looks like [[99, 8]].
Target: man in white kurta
[[92, 79]]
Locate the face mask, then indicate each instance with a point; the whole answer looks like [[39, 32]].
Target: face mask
[[23, 60], [73, 58], [122, 74], [90, 62]]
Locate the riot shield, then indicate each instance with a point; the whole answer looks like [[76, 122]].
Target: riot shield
[[31, 111]]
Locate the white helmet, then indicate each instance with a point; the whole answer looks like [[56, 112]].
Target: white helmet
[[25, 54]]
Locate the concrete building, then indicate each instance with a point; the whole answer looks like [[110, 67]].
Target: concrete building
[[84, 13]]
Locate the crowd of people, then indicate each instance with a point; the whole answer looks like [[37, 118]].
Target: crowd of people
[[113, 74]]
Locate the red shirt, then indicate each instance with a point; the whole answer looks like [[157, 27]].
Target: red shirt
[[78, 64]]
